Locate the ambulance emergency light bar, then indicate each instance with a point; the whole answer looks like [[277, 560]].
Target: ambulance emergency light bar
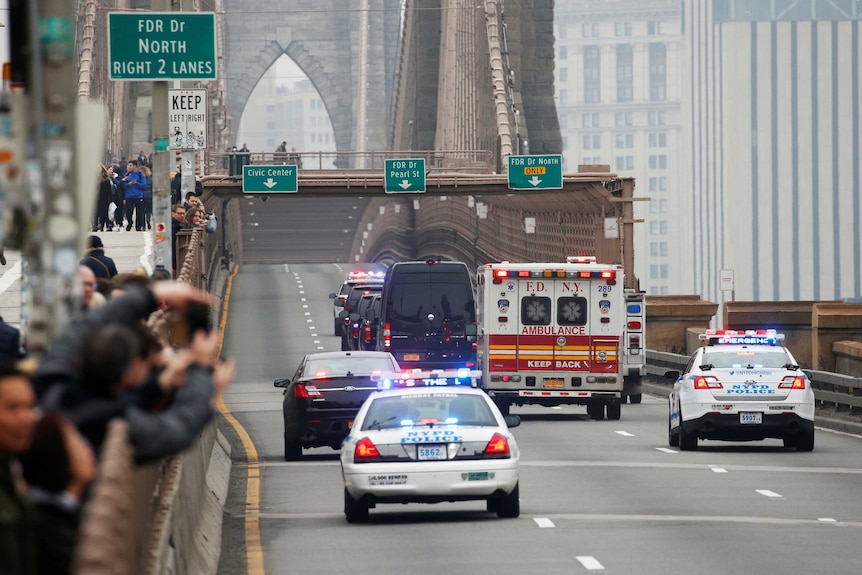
[[435, 378], [555, 273], [747, 337]]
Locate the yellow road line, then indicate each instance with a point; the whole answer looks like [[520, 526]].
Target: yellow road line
[[253, 547]]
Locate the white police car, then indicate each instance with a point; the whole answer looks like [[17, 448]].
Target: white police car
[[742, 386], [430, 437]]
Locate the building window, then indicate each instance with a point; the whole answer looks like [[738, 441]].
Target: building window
[[623, 29], [592, 142], [270, 125], [657, 139], [564, 53], [658, 162], [657, 118], [624, 163], [590, 30], [625, 73], [623, 119], [564, 74], [658, 206], [657, 72], [592, 74], [655, 28], [658, 249], [658, 228], [564, 97], [590, 120], [625, 140]]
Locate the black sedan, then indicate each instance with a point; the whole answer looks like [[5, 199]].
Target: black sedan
[[325, 394]]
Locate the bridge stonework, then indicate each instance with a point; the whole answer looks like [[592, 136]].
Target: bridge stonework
[[323, 37]]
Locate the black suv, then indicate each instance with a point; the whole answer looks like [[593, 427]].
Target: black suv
[[428, 315], [349, 313]]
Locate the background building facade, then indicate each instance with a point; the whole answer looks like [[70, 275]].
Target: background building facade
[[618, 102], [772, 166]]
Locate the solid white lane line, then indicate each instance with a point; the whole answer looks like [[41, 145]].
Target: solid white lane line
[[827, 520], [768, 493], [543, 522], [625, 433], [590, 563], [666, 450]]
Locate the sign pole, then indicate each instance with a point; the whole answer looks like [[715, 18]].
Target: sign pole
[[162, 232]]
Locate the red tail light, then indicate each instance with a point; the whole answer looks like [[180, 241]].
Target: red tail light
[[365, 450], [498, 446], [387, 338], [791, 382], [356, 330], [707, 382], [367, 333], [306, 391]]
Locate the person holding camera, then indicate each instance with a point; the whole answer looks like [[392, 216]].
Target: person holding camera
[[101, 358]]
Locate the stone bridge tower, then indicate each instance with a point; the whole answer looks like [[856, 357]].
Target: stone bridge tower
[[346, 48]]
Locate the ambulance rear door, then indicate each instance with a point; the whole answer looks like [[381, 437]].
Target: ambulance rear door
[[607, 312]]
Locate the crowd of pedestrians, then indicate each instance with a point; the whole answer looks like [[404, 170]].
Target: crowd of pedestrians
[[104, 365], [125, 195]]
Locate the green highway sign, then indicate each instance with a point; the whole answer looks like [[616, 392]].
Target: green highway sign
[[162, 46], [406, 176], [536, 172], [269, 179]]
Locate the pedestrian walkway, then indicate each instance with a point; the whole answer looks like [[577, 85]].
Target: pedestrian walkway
[[130, 250]]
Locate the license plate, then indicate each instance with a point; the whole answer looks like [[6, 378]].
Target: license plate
[[555, 383], [411, 357], [750, 418], [432, 453]]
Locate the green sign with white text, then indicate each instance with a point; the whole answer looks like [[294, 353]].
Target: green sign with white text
[[405, 176], [161, 46], [269, 179], [536, 172]]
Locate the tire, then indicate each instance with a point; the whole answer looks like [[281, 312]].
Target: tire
[[355, 511], [596, 410], [614, 410], [502, 405], [344, 345], [509, 506], [292, 449], [672, 438], [805, 441], [687, 441], [492, 504], [636, 398], [624, 398], [336, 329]]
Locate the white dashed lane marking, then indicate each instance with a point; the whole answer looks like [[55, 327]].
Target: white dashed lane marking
[[666, 450], [543, 522], [768, 493], [625, 433], [590, 563]]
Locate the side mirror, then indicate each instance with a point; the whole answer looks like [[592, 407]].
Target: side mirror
[[332, 295], [338, 301], [672, 374], [283, 382], [342, 314], [354, 317], [470, 331], [512, 420]]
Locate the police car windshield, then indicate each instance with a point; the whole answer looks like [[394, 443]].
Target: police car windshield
[[428, 410], [339, 367], [746, 357]]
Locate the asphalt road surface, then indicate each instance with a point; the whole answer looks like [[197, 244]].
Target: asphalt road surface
[[596, 496]]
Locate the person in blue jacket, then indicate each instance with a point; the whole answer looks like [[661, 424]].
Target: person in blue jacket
[[134, 181], [148, 197]]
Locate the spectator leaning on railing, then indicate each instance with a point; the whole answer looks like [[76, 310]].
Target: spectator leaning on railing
[[100, 359]]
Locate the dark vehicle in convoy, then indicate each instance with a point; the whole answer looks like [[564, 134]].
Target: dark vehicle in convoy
[[358, 318], [368, 329], [428, 315], [323, 397], [349, 313], [338, 298]]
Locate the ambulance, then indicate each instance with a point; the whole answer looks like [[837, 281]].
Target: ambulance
[[560, 333]]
